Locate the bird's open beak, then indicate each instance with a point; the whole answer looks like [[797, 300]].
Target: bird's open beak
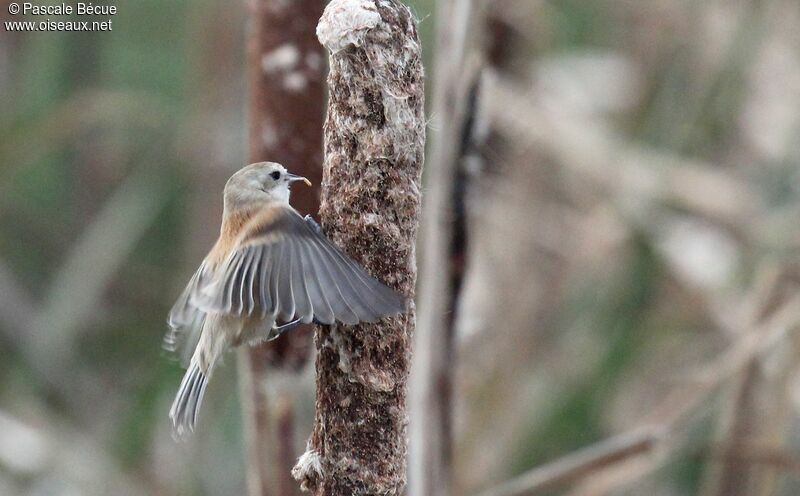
[[293, 178]]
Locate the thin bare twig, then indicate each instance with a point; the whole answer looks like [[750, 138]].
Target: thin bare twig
[[755, 411], [598, 468], [579, 464], [776, 458], [682, 401]]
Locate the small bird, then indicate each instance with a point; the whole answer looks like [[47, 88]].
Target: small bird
[[270, 270]]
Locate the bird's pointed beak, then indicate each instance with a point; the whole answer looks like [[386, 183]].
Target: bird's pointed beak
[[294, 178]]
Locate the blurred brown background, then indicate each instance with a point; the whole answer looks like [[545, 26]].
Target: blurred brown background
[[629, 202]]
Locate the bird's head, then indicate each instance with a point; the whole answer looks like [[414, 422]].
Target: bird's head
[[259, 183]]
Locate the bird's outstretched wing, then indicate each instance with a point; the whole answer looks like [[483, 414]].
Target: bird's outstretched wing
[[186, 319], [283, 269]]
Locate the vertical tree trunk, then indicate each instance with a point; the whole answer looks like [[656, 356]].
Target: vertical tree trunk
[[286, 114], [374, 142], [431, 387]]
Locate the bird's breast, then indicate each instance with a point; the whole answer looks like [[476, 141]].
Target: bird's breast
[[233, 225]]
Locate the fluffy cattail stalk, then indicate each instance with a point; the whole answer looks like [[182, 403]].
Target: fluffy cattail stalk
[[374, 142]]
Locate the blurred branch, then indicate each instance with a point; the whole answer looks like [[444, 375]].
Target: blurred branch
[[754, 411], [761, 337], [646, 185], [618, 461], [23, 143], [766, 456], [75, 290], [579, 464], [520, 15], [65, 457], [638, 178], [431, 381], [751, 344], [676, 125], [686, 398], [286, 105], [286, 455], [16, 307]]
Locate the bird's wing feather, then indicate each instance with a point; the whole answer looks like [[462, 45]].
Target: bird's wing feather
[[186, 319], [282, 268]]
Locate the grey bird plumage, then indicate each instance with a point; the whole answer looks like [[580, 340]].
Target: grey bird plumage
[[270, 270]]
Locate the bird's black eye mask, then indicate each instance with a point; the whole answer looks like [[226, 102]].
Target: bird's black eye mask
[[275, 175]]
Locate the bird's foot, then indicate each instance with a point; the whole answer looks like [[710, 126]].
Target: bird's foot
[[311, 222], [278, 330]]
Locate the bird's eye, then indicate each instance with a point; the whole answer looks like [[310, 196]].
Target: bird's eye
[[275, 175]]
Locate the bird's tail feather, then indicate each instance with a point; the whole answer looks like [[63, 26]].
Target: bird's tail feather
[[187, 402]]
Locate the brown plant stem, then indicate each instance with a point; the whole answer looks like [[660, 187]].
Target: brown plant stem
[[286, 100], [617, 461], [374, 142], [681, 403]]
